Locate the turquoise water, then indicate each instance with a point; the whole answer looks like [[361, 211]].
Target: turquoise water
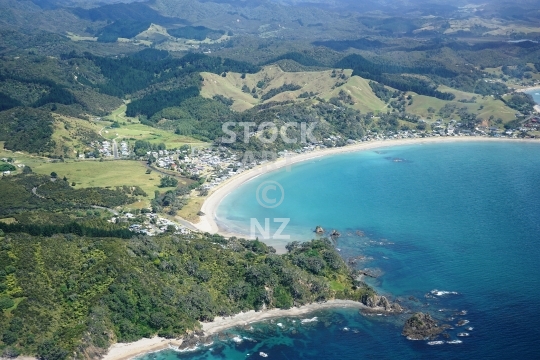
[[536, 95], [461, 217]]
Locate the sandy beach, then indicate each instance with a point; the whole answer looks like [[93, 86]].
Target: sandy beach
[[208, 222], [125, 351], [534, 88], [222, 323]]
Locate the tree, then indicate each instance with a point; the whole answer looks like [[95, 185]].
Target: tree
[[48, 350], [54, 175], [168, 181], [6, 302], [7, 167]]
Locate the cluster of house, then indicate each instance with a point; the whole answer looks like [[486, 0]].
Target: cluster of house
[[152, 224], [533, 124], [103, 148], [124, 149]]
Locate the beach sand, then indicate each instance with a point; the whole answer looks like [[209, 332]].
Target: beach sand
[[534, 88], [125, 351], [222, 323], [208, 222]]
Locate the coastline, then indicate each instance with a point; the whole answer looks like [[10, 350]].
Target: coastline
[[245, 318], [208, 222], [534, 88], [125, 351]]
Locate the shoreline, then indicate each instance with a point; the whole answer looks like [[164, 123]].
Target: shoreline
[[209, 222], [534, 88], [245, 318], [126, 351]]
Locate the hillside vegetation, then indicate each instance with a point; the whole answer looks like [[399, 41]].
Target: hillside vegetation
[[324, 84], [66, 294]]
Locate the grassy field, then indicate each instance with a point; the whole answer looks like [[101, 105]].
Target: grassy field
[[491, 106], [95, 173], [319, 82], [155, 136], [103, 174], [132, 129], [120, 115], [72, 135], [190, 211]]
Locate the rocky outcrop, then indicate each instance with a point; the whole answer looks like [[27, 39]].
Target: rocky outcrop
[[335, 233], [319, 230], [381, 303], [421, 326]]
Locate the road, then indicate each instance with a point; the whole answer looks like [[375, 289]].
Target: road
[[115, 149], [186, 223]]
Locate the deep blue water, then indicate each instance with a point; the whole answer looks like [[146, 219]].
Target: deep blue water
[[461, 217]]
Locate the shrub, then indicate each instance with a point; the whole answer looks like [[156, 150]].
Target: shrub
[[6, 302]]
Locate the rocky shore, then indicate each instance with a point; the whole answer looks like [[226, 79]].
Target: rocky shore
[[422, 326]]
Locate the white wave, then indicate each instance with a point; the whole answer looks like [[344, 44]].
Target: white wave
[[263, 354], [177, 349], [435, 342], [237, 339], [454, 342], [463, 334], [280, 325], [443, 292], [309, 320], [470, 328], [345, 329]]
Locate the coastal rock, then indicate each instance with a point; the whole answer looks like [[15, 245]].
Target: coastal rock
[[319, 230], [335, 233], [421, 326], [381, 303]]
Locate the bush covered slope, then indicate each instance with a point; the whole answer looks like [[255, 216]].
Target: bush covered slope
[[66, 294]]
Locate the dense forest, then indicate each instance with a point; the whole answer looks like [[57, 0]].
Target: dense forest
[[121, 29], [151, 104], [26, 129], [391, 75], [72, 295], [521, 102]]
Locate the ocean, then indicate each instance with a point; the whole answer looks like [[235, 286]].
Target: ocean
[[536, 95], [451, 229]]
